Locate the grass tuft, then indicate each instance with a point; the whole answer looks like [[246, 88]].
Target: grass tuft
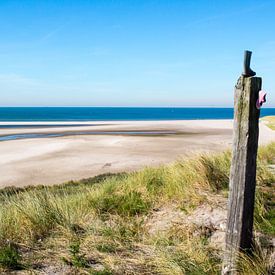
[[77, 259], [129, 204], [270, 121], [216, 170], [10, 257]]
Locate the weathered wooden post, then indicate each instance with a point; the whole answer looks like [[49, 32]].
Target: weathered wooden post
[[239, 231]]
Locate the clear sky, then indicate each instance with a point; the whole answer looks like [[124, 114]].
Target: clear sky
[[132, 52]]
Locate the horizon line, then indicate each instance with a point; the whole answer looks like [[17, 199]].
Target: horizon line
[[82, 106]]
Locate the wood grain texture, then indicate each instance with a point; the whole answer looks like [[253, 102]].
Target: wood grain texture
[[239, 232]]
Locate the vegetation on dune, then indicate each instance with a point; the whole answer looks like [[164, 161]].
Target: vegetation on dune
[[99, 225], [270, 121]]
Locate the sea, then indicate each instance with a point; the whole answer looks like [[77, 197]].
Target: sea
[[51, 114]]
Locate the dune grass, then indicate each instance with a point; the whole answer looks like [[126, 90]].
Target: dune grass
[[98, 225], [270, 121]]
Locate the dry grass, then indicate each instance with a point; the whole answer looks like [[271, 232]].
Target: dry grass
[[98, 226]]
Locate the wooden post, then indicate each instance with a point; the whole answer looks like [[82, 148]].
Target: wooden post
[[239, 231]]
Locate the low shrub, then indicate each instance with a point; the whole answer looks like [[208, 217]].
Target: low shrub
[[10, 257]]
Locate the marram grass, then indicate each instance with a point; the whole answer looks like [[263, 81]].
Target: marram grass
[[103, 220], [270, 121]]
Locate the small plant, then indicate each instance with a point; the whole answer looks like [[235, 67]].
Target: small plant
[[106, 247], [101, 272], [10, 257], [76, 258]]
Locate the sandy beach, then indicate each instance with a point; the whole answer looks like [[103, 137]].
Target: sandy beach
[[80, 150]]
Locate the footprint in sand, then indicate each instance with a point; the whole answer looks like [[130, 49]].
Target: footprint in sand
[[107, 165]]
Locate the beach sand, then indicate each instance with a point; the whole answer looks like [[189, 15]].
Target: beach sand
[[55, 160]]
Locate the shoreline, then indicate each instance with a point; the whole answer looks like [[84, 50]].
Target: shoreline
[[84, 122], [54, 160], [177, 126], [21, 130]]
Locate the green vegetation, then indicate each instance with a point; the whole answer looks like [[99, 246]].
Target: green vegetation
[[270, 121], [130, 204], [76, 259], [103, 225], [10, 257]]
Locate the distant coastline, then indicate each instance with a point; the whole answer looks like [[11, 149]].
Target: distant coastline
[[24, 114]]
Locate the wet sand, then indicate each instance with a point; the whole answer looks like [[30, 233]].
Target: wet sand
[[74, 151]]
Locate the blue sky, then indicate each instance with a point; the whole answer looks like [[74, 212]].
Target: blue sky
[[132, 53]]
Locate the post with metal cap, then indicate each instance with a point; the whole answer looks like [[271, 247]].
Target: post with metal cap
[[239, 231]]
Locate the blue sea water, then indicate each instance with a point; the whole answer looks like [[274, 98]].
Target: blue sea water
[[115, 113]]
